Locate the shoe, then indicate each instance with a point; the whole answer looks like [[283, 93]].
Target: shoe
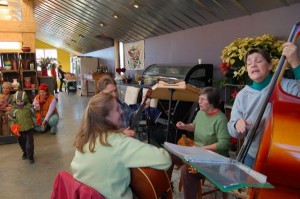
[[31, 160], [24, 156], [53, 130], [56, 92]]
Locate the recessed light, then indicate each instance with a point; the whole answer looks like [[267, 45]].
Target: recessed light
[[136, 4], [115, 16], [102, 24]]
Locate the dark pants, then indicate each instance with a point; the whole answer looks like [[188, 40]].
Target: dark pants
[[61, 83], [190, 182], [26, 142]]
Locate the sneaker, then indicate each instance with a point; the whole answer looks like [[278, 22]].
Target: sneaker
[[31, 160], [24, 156], [53, 130]]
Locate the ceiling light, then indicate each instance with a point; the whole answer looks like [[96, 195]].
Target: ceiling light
[[115, 16], [136, 4], [102, 24]]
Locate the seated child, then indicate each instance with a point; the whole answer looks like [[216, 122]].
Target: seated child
[[22, 124]]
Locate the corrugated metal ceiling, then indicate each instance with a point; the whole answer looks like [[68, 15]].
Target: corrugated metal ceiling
[[74, 25]]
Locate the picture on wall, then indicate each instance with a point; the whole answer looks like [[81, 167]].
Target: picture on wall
[[134, 55]]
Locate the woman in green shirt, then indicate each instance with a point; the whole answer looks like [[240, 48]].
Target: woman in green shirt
[[210, 132]]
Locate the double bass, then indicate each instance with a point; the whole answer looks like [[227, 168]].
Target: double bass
[[278, 156]]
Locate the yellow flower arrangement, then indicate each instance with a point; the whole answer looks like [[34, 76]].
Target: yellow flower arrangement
[[233, 66]]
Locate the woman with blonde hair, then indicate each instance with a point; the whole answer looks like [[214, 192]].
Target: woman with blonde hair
[[8, 99], [104, 155]]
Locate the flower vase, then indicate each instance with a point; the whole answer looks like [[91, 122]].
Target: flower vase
[[25, 64], [44, 71], [15, 84], [14, 64]]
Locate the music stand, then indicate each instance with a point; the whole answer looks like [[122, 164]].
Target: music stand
[[171, 89]]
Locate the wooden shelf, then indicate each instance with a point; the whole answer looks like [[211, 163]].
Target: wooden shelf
[[21, 60]]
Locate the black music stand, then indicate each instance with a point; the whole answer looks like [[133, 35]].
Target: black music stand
[[174, 90]]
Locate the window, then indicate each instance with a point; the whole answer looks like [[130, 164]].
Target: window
[[10, 45], [44, 53], [121, 54]]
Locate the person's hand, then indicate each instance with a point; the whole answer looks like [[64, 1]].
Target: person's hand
[[129, 132], [44, 123], [180, 125], [241, 124], [147, 104], [290, 51], [8, 109], [37, 106]]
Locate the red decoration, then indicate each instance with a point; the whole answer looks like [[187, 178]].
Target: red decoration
[[224, 67], [118, 70], [15, 129]]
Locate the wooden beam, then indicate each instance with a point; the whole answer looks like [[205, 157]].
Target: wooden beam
[[27, 10], [17, 26], [11, 36]]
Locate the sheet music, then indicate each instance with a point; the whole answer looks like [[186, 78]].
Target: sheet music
[[225, 173], [195, 154], [182, 91]]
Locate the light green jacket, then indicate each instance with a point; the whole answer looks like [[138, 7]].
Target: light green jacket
[[108, 169]]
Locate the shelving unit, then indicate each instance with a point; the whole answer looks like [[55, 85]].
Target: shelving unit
[[22, 65]]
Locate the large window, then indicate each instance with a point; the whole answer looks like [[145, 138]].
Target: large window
[[121, 54], [44, 53], [10, 45]]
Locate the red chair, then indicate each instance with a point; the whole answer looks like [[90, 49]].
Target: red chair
[[66, 187]]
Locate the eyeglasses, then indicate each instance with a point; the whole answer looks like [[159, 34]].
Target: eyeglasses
[[202, 100]]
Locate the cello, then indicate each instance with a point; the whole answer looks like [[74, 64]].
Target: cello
[[278, 155]]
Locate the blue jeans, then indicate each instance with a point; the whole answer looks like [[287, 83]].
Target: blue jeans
[[249, 161], [53, 121]]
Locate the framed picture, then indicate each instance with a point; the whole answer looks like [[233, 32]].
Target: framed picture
[[134, 55]]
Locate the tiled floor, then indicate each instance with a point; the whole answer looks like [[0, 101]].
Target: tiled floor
[[53, 153]]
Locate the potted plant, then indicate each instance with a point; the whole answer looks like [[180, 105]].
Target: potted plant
[[46, 63], [232, 56]]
